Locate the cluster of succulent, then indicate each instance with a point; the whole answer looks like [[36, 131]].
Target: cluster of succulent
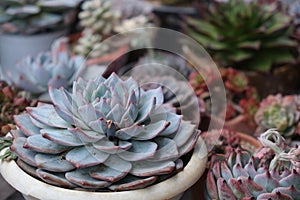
[[12, 102], [280, 112], [272, 172], [56, 67], [244, 35], [168, 71], [98, 20], [35, 16], [242, 99], [108, 134]]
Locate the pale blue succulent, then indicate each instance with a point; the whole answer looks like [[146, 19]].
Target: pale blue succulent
[[106, 134], [56, 67]]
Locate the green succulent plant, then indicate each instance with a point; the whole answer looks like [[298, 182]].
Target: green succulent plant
[[56, 67], [98, 20], [270, 173], [106, 134], [280, 112], [244, 35], [35, 16]]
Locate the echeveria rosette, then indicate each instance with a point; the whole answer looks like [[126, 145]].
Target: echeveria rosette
[[107, 133], [56, 67], [279, 112], [243, 175]]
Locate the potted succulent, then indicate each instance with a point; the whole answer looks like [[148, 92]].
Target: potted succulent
[[30, 26], [56, 67], [272, 172], [101, 19], [242, 98], [282, 113], [108, 139], [261, 45]]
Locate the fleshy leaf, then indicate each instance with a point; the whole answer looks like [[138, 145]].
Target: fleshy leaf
[[54, 163], [82, 178], [61, 136], [139, 151], [86, 156], [40, 144], [25, 124], [54, 178]]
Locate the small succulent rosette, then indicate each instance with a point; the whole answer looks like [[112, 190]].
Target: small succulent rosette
[[57, 68], [242, 98], [280, 112], [272, 172], [108, 134]]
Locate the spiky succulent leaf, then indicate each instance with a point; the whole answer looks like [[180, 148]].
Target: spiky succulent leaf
[[244, 34], [107, 133]]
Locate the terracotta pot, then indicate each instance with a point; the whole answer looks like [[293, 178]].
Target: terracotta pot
[[172, 188]]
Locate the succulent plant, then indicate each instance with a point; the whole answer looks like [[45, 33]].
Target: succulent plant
[[90, 45], [242, 99], [35, 16], [12, 102], [98, 20], [97, 16], [244, 35], [168, 72], [106, 134], [56, 67], [270, 173], [280, 112]]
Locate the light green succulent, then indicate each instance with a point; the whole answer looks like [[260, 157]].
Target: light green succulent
[[98, 20], [280, 112], [106, 134], [98, 17]]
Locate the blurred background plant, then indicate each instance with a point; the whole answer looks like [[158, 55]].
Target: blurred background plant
[[244, 35], [101, 19], [36, 16], [242, 98], [282, 113], [56, 68], [12, 102]]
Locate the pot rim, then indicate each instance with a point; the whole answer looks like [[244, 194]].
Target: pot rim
[[167, 189]]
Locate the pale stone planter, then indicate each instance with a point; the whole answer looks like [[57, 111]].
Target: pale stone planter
[[15, 47], [172, 188]]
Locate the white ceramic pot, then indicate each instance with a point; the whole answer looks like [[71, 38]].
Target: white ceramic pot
[[172, 188], [15, 47]]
